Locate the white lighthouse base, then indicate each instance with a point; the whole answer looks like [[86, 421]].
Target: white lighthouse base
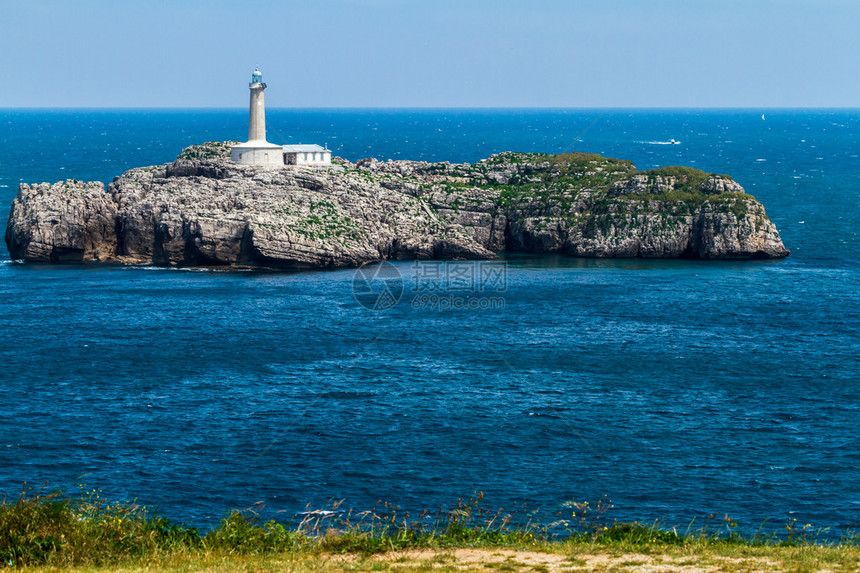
[[257, 153]]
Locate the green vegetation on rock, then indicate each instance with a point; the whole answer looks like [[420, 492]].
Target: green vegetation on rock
[[558, 181], [208, 150]]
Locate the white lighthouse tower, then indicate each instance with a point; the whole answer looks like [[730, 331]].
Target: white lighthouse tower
[[257, 151]]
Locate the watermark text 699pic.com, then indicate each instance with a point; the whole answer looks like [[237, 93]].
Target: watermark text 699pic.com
[[434, 285]]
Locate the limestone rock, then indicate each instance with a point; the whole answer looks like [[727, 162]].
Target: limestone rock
[[203, 210], [69, 221]]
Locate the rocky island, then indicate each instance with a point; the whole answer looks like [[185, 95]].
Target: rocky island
[[205, 210]]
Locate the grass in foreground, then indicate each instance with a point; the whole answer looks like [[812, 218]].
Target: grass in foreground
[[52, 531]]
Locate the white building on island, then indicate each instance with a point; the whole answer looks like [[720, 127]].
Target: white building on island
[[306, 155], [258, 151]]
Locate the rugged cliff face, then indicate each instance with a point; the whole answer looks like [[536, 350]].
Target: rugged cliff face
[[203, 210]]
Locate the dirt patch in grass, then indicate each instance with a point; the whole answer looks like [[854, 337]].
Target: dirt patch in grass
[[489, 560], [515, 560]]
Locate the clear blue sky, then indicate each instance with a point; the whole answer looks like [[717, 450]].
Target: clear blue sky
[[431, 53]]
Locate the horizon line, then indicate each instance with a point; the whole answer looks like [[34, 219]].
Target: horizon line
[[441, 108]]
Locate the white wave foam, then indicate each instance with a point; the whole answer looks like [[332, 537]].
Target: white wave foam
[[151, 267], [148, 267], [322, 512]]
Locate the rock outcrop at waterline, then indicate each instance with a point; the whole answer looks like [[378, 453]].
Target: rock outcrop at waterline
[[203, 210]]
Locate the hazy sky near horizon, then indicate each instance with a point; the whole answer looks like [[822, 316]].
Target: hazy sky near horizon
[[438, 53]]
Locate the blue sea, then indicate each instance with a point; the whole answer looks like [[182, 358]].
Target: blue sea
[[676, 388]]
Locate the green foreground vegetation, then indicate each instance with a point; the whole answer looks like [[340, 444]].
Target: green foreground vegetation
[[52, 531]]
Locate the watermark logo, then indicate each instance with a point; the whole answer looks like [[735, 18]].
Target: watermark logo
[[439, 285], [377, 286]]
